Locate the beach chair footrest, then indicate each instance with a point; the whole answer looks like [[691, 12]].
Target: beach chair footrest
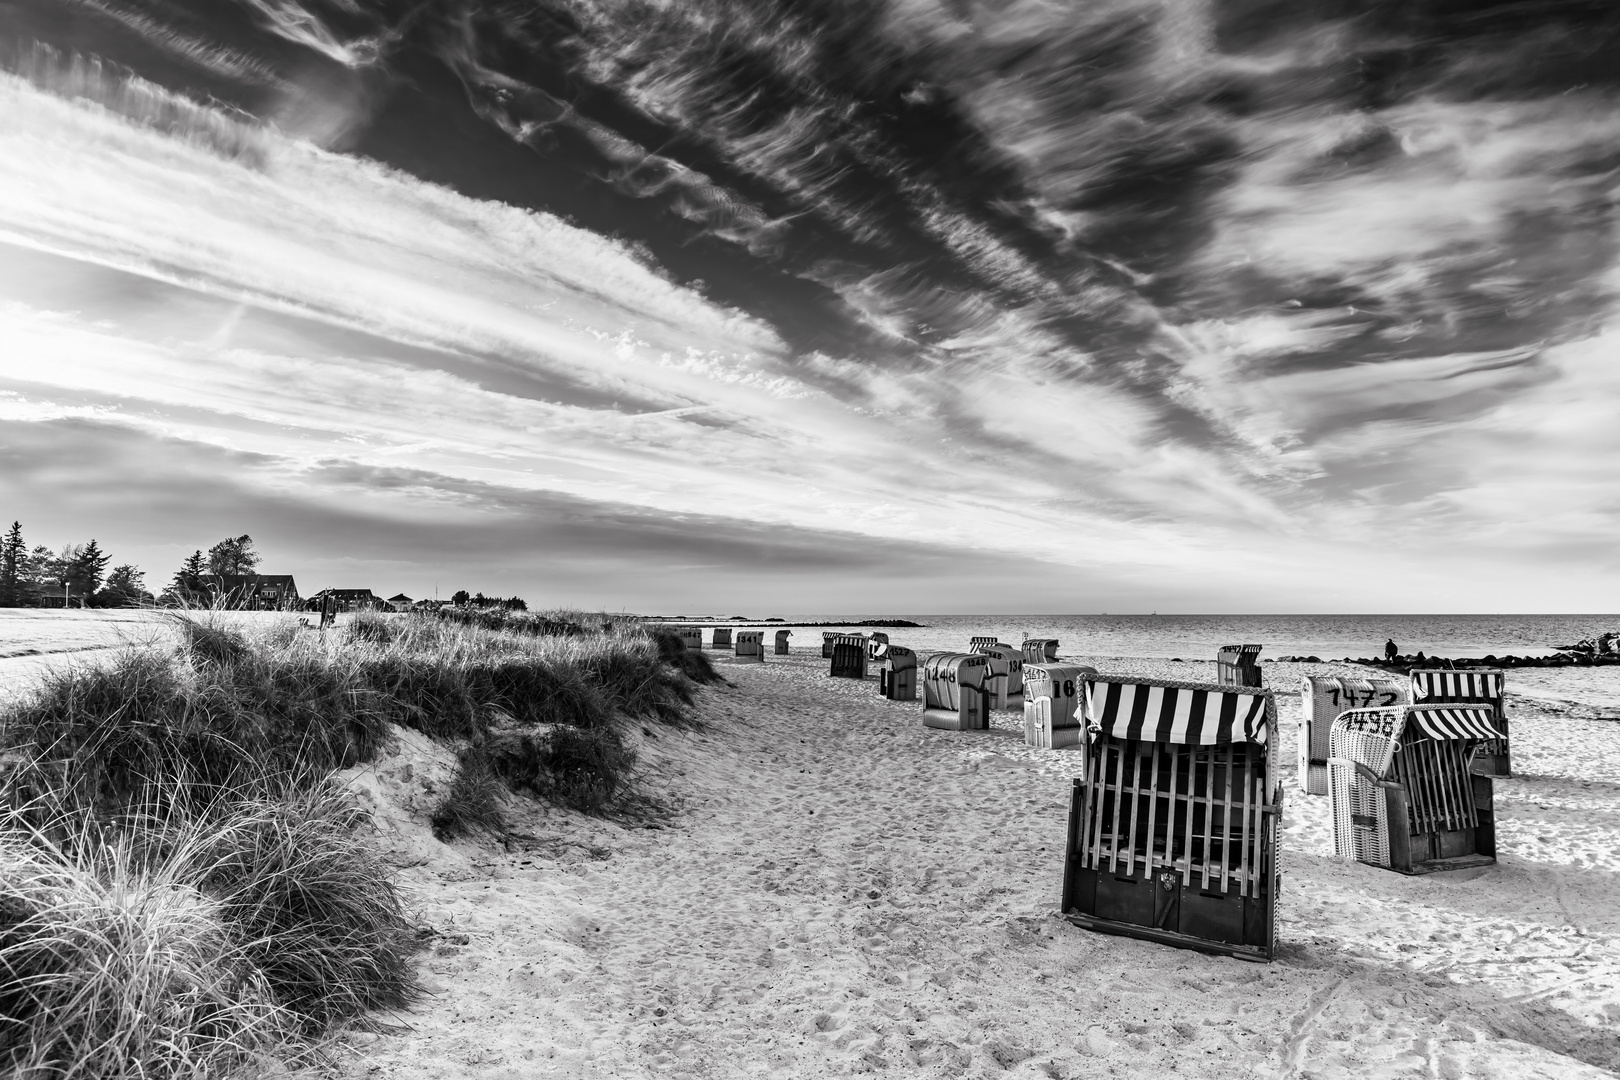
[[1253, 953]]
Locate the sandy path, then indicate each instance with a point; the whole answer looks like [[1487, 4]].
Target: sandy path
[[846, 891]]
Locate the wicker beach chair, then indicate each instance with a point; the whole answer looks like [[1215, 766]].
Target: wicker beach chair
[[897, 678], [1476, 686], [782, 642], [1402, 793], [827, 637], [849, 656], [1039, 651], [1006, 675], [691, 636], [1322, 699], [722, 637], [1238, 665], [1053, 716], [751, 645], [1173, 822], [954, 694]]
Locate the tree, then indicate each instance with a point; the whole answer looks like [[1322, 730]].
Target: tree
[[460, 598], [188, 579], [233, 555], [13, 565], [87, 567], [126, 587]]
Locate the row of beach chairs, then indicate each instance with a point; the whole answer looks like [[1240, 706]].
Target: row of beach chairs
[[1173, 822]]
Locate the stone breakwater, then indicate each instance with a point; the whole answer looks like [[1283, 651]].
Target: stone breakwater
[[1406, 664]]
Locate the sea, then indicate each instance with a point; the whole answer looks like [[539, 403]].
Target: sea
[[1582, 691]]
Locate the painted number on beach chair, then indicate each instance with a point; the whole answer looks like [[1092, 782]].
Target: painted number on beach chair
[[1367, 695], [1376, 723]]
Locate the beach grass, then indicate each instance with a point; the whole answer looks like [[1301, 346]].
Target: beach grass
[[172, 844]]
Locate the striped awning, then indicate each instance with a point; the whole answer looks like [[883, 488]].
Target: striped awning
[[1456, 685], [1175, 714], [1455, 722]]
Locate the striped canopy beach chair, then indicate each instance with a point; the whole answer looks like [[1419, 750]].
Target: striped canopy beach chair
[[849, 656], [1322, 699], [955, 697], [1173, 822], [1040, 651], [897, 678], [827, 637], [1053, 717], [1479, 686], [1401, 790]]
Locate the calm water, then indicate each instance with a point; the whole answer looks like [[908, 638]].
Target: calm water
[[1331, 637], [1327, 636]]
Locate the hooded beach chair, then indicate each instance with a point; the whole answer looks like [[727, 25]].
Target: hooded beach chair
[[1006, 675], [722, 637], [1173, 821], [1322, 699], [1053, 717], [897, 678], [955, 697], [751, 645], [827, 637], [877, 644], [1040, 651], [782, 642], [1401, 790], [1479, 686], [691, 636], [849, 656], [1238, 665]]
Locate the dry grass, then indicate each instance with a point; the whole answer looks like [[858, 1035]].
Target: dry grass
[[182, 892]]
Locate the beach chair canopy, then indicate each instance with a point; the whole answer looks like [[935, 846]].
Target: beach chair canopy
[[1454, 722], [899, 657], [1456, 686], [1161, 710]]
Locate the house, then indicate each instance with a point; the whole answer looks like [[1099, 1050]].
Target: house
[[250, 592], [39, 594], [348, 600], [400, 602]]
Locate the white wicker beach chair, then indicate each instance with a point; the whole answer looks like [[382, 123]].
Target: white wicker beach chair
[[1006, 675], [1322, 699], [954, 694], [1054, 714], [751, 645]]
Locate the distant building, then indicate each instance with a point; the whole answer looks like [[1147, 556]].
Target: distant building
[[400, 602], [348, 600], [250, 592]]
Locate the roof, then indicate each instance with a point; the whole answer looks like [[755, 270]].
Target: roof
[[348, 592], [229, 582], [400, 598]]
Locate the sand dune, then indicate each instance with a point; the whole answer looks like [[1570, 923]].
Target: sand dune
[[842, 890]]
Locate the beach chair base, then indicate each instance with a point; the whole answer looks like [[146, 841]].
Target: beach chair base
[[1042, 737], [755, 658], [898, 685], [947, 720], [1162, 909]]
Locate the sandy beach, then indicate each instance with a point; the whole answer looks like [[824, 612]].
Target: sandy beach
[[841, 890]]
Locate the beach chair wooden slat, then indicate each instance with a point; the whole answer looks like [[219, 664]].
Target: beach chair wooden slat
[[1248, 824], [1152, 842]]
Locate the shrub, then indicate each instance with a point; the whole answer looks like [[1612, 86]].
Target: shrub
[[115, 970], [474, 799]]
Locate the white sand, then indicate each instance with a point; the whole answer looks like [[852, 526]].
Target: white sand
[[845, 891]]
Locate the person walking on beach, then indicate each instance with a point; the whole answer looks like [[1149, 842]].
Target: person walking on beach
[[1390, 651]]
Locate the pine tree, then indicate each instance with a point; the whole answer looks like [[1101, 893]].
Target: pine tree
[[126, 587], [188, 579], [88, 567], [13, 566]]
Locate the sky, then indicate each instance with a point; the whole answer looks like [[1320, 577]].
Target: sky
[[802, 306]]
